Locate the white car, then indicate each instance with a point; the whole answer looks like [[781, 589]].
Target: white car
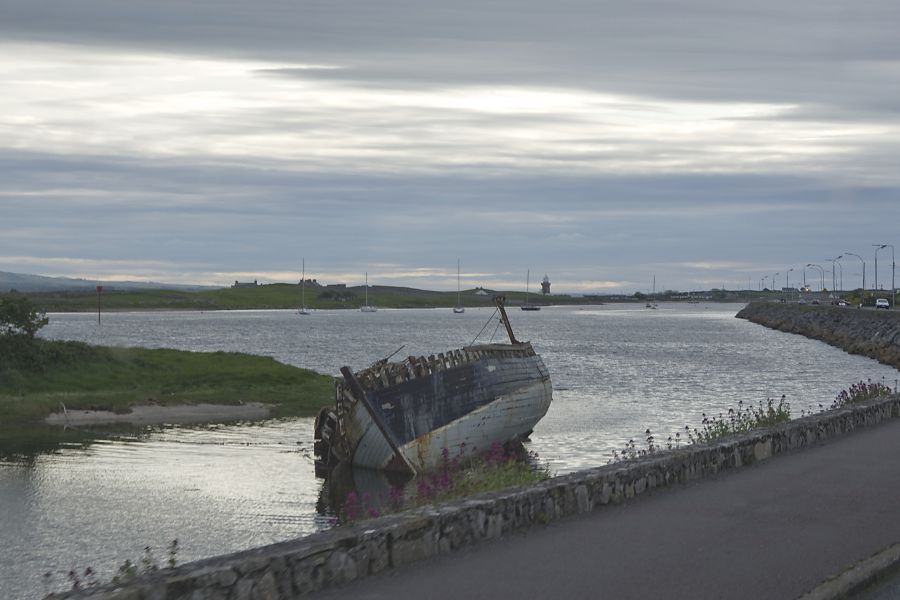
[[882, 303]]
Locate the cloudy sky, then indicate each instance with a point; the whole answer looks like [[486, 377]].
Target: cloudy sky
[[703, 143]]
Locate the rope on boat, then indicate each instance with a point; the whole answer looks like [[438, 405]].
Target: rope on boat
[[496, 310], [499, 323]]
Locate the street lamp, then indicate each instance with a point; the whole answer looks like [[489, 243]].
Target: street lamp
[[774, 284], [764, 281], [822, 271], [864, 271], [834, 261], [893, 287]]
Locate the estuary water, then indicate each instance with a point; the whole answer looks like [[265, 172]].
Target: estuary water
[[617, 370]]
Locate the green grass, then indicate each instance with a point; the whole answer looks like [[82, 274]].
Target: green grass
[[36, 377]]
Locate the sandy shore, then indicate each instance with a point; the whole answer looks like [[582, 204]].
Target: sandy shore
[[160, 415]]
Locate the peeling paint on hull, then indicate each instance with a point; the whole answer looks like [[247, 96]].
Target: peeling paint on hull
[[401, 416]]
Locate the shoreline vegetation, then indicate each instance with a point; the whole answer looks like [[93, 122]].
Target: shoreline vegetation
[[317, 297], [96, 384]]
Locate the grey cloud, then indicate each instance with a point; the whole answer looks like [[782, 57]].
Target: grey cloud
[[824, 60], [767, 51], [253, 219]]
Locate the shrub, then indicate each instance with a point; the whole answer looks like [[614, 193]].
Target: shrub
[[740, 420], [733, 422], [20, 317], [858, 392]]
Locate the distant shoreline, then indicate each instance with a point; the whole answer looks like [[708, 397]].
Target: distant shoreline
[[282, 296]]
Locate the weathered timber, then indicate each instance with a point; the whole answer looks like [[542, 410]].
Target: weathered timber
[[459, 403]]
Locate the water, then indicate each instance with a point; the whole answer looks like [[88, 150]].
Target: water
[[617, 370]]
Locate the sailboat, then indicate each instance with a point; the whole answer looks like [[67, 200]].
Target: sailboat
[[366, 307], [458, 309], [528, 306], [303, 310]]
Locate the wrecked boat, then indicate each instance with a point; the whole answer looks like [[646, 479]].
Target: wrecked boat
[[406, 416]]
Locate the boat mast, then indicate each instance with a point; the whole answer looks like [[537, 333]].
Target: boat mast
[[527, 278], [500, 301], [457, 282], [303, 287]]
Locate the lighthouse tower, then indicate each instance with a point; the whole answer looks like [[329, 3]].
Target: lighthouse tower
[[545, 286]]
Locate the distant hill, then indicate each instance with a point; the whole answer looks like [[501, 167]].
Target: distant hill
[[38, 283]]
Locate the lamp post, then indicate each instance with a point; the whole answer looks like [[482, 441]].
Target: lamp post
[[774, 282], [822, 272], [877, 248], [893, 286], [787, 282], [764, 281], [863, 274], [834, 261]]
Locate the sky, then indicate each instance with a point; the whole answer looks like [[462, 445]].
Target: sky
[[606, 144]]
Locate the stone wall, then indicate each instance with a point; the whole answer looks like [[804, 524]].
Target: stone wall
[[297, 567], [872, 333]]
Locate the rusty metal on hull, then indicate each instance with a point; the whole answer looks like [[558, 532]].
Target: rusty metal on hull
[[401, 416]]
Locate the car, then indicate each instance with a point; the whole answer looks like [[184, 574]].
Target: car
[[882, 303]]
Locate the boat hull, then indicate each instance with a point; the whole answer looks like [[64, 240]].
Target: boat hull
[[458, 405]]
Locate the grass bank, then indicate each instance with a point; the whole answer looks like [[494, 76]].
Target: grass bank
[[37, 375]]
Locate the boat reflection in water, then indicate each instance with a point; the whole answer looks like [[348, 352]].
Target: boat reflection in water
[[347, 488], [350, 493], [406, 416]]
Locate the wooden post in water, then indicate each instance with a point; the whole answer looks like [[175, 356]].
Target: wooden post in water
[[99, 291]]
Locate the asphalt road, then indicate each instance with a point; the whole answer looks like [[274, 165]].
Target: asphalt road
[[771, 531]]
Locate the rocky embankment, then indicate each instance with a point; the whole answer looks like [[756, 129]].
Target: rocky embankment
[[872, 333]]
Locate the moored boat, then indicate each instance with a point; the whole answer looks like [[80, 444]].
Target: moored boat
[[404, 416], [367, 307], [458, 309], [528, 305]]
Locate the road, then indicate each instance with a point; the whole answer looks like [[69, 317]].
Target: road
[[771, 531]]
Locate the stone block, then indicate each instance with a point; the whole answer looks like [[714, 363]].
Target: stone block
[[640, 485], [762, 450], [243, 589], [413, 547], [583, 499], [605, 493], [265, 588]]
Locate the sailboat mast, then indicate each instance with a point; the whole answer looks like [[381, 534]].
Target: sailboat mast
[[457, 282], [303, 286], [527, 280]]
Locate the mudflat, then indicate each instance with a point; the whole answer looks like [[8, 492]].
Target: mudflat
[[159, 415]]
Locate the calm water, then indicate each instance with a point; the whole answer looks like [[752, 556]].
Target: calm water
[[616, 370]]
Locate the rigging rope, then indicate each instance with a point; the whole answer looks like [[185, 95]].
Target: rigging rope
[[499, 322], [485, 326]]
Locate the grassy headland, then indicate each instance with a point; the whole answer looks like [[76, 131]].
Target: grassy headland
[[271, 296], [284, 296], [37, 375]]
